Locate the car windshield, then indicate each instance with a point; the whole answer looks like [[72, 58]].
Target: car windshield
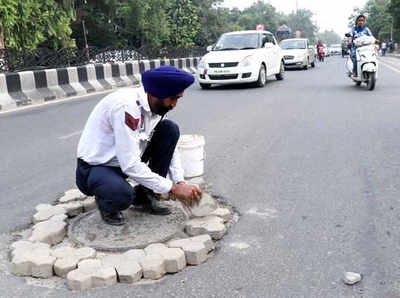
[[293, 44], [237, 42]]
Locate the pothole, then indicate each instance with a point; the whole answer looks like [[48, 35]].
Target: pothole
[[69, 244]]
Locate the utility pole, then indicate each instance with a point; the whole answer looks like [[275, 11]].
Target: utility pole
[[391, 30]]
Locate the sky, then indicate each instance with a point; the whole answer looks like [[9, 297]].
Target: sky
[[328, 15]]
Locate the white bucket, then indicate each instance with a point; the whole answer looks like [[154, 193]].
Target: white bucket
[[191, 149]]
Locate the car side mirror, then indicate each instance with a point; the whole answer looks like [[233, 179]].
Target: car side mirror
[[347, 35], [209, 48], [268, 45]]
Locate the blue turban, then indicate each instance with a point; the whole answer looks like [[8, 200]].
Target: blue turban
[[166, 81]]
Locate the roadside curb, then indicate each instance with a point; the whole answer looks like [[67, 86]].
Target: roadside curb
[[35, 87]]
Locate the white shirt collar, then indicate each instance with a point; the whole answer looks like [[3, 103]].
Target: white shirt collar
[[142, 98]]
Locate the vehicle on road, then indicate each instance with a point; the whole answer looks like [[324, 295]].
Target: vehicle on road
[[335, 49], [298, 53], [367, 62], [241, 57], [321, 54]]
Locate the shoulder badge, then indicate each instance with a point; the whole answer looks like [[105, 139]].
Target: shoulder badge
[[131, 122]]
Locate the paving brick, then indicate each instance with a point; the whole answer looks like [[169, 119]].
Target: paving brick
[[25, 245], [174, 258], [73, 208], [128, 270], [155, 248], [135, 254], [50, 231], [69, 257], [89, 204], [45, 212], [211, 225], [72, 195], [204, 239], [153, 266], [31, 259], [91, 273], [206, 205], [196, 251], [223, 213]]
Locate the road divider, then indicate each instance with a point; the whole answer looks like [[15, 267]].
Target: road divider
[[24, 88]]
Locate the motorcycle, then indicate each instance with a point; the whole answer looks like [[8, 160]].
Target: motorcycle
[[367, 62], [321, 54]]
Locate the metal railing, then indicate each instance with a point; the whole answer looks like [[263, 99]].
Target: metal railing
[[13, 61]]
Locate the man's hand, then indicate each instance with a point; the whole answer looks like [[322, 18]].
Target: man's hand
[[188, 195]]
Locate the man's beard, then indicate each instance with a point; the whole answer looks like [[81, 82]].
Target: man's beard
[[160, 109]]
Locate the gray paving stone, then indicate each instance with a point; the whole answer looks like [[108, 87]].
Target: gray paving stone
[[196, 249], [135, 254], [91, 273], [174, 258], [50, 231], [195, 253], [25, 245], [72, 195], [204, 239], [211, 225], [69, 257], [206, 205], [73, 208], [223, 213], [45, 212], [128, 270], [31, 259], [153, 266], [89, 204]]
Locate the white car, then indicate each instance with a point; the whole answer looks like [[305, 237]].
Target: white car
[[298, 53], [241, 57]]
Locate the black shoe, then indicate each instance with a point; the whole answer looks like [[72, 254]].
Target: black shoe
[[114, 219], [150, 201]]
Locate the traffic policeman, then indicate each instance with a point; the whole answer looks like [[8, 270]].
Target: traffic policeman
[[128, 136]]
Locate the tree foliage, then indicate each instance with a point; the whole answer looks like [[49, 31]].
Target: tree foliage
[[151, 23], [28, 23], [184, 22], [379, 17], [329, 37]]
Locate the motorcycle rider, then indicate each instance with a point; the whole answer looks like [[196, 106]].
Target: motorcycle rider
[[358, 30], [320, 49]]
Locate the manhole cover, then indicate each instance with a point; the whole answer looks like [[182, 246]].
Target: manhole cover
[[140, 230]]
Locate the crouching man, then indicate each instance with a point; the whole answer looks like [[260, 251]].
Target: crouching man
[[127, 135]]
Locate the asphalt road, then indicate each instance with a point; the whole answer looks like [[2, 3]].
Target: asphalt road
[[312, 163]]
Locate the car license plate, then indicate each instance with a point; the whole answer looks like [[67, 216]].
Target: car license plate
[[222, 71]]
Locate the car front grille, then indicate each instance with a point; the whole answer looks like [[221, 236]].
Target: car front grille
[[223, 76], [288, 57], [222, 65]]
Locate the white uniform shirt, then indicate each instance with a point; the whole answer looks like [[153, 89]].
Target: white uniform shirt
[[108, 140]]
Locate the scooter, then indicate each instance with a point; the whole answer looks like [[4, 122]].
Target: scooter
[[367, 62], [321, 54]]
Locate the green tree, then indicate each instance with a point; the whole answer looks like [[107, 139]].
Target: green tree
[[184, 23], [329, 37], [379, 19], [214, 20], [27, 23], [301, 20], [259, 13]]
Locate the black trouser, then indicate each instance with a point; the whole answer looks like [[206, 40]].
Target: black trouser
[[109, 184]]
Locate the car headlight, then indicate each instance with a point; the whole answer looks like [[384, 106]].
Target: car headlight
[[246, 61], [202, 64]]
